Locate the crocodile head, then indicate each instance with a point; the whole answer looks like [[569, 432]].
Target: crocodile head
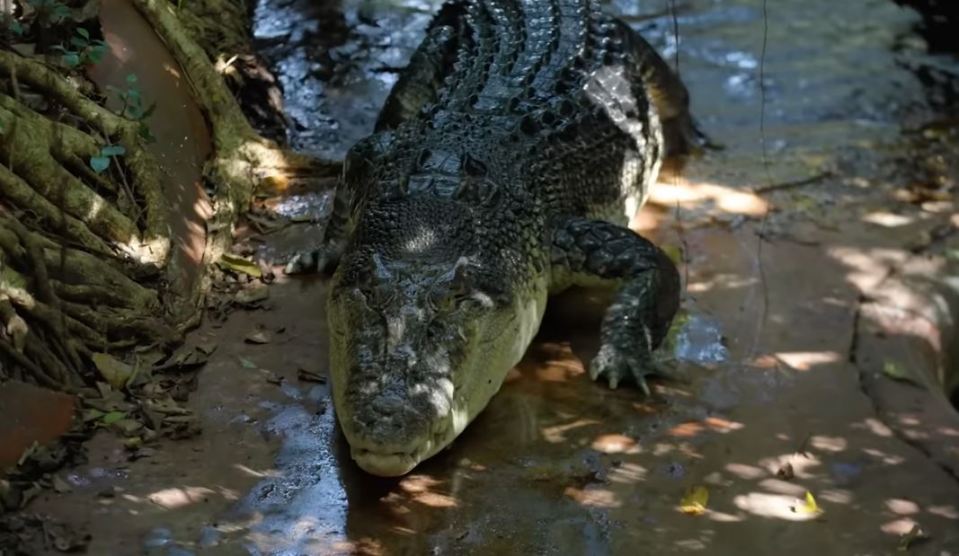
[[422, 335]]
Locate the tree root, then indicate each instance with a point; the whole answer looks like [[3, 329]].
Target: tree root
[[86, 262]]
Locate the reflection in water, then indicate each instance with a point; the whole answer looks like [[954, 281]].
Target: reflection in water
[[306, 500], [701, 341]]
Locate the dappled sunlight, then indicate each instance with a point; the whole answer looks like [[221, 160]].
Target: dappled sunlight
[[708, 195], [615, 444], [254, 473], [778, 486], [557, 433], [628, 473], [801, 466], [806, 360], [593, 496], [948, 512], [777, 506], [174, 498], [887, 219], [898, 527], [747, 472], [422, 489], [836, 496], [710, 424], [902, 507], [875, 426], [885, 458], [828, 443], [724, 281]]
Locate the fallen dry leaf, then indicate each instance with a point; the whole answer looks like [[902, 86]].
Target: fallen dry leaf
[[808, 506], [258, 337], [914, 536], [115, 372], [240, 265], [786, 472], [61, 486], [694, 501], [307, 375]]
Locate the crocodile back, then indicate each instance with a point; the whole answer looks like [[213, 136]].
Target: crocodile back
[[525, 111], [546, 95]]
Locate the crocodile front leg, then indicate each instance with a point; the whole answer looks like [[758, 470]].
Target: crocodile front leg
[[352, 189], [595, 252], [325, 257]]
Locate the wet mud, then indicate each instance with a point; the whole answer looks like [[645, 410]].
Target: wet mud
[[795, 243]]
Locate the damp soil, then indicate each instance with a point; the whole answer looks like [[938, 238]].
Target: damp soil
[[797, 243]]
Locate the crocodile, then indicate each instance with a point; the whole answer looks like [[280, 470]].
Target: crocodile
[[504, 167]]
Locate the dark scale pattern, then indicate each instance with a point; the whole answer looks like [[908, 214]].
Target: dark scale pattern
[[546, 97], [516, 139]]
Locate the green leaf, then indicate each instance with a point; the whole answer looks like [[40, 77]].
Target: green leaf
[[247, 364], [99, 163], [896, 371], [112, 150], [132, 78], [71, 59], [59, 13], [83, 33], [145, 133], [95, 53], [113, 417], [92, 414], [78, 42]]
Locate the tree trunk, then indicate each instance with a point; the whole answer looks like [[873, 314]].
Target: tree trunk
[[89, 260]]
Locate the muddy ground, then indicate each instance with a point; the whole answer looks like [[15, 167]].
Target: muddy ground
[[817, 339]]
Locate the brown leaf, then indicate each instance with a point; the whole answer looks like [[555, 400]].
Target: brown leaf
[[115, 372], [786, 472], [258, 337]]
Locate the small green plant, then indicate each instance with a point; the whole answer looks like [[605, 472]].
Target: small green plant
[[101, 161], [48, 12], [82, 51], [133, 106], [11, 26]]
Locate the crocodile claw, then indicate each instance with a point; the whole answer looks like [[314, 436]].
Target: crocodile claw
[[618, 365], [308, 262]]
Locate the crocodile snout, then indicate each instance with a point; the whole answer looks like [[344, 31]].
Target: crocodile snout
[[396, 428]]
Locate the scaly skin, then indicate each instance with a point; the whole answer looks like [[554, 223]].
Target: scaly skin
[[504, 167]]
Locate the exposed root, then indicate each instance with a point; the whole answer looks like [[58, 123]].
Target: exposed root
[[86, 263]]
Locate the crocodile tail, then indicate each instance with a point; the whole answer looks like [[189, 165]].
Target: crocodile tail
[[419, 85], [669, 96]]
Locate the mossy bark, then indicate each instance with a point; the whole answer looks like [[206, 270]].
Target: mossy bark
[[85, 258]]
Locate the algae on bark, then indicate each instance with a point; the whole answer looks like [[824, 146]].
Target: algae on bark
[[85, 257]]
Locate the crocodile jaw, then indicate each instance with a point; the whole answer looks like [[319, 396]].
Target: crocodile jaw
[[482, 375]]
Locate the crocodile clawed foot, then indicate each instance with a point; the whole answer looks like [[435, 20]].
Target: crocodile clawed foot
[[308, 262], [618, 365]]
